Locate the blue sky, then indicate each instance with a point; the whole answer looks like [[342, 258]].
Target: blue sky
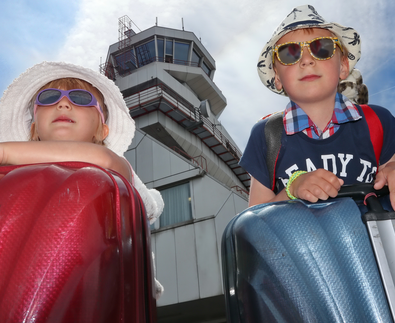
[[233, 31], [31, 31]]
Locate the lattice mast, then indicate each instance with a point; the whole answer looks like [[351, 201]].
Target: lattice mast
[[125, 31]]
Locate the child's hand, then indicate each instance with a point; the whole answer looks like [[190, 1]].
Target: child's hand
[[386, 176], [317, 185]]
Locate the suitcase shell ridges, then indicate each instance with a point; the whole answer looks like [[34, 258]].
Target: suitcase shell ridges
[[64, 254], [300, 262]]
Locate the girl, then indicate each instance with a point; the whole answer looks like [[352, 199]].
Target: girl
[[62, 112]]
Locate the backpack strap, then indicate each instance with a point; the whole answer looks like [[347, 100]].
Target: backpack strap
[[375, 130], [273, 131]]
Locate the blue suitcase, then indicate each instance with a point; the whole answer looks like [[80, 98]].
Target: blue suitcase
[[299, 262]]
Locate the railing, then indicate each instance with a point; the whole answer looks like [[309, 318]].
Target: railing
[[161, 91], [108, 70], [122, 68], [203, 161], [170, 59], [240, 190], [143, 98]]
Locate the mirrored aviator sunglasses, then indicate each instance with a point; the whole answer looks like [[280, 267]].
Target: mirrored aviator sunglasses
[[78, 97], [321, 48]]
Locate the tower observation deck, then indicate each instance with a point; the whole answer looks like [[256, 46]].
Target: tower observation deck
[[169, 71]]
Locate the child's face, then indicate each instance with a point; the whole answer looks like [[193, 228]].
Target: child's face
[[310, 80], [64, 121]]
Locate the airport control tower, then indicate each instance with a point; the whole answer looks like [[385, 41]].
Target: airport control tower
[[181, 149]]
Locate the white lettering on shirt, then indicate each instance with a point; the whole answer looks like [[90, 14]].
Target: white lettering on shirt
[[309, 165], [365, 164], [369, 178], [329, 163], [344, 162], [291, 169], [325, 159]]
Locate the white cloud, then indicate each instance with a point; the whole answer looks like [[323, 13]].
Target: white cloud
[[234, 32]]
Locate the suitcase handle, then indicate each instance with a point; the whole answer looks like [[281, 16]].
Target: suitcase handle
[[366, 192], [360, 191]]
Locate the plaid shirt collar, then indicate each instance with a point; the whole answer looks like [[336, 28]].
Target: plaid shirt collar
[[296, 120]]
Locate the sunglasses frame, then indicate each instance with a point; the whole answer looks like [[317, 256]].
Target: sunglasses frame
[[304, 44], [66, 93]]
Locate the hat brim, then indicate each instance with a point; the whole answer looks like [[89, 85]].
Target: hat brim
[[16, 117]]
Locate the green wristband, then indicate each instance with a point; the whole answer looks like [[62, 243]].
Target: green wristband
[[294, 176]]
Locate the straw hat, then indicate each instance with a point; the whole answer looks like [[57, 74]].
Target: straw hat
[[16, 115], [306, 17]]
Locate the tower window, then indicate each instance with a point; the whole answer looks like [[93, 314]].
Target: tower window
[[195, 58], [169, 51], [206, 68], [146, 53], [177, 205], [161, 49], [181, 53]]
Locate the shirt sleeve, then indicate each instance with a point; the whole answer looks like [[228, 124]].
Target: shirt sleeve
[[254, 156], [388, 123]]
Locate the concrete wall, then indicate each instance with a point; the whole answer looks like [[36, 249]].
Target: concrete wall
[[187, 256]]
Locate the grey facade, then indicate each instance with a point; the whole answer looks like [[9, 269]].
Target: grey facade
[[180, 148]]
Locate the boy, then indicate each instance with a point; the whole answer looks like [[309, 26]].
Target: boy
[[325, 142]]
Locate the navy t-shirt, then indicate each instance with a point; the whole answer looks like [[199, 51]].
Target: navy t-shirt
[[348, 153]]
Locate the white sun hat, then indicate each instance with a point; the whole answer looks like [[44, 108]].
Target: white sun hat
[[306, 17], [16, 114]]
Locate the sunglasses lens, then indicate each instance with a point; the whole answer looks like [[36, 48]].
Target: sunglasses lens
[[322, 48], [289, 53], [80, 97], [49, 97]]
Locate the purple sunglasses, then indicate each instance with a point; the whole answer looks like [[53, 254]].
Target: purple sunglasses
[[78, 97]]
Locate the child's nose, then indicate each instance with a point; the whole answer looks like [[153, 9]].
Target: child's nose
[[307, 59], [64, 103]]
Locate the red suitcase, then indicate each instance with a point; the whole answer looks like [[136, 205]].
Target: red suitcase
[[74, 246]]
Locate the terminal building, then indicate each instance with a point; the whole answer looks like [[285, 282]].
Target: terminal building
[[181, 149]]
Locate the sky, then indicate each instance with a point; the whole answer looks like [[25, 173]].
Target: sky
[[233, 31]]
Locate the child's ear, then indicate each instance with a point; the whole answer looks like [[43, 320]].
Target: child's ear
[[105, 132], [277, 81], [101, 134], [344, 68]]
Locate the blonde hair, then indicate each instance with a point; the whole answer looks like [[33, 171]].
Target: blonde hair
[[69, 84]]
